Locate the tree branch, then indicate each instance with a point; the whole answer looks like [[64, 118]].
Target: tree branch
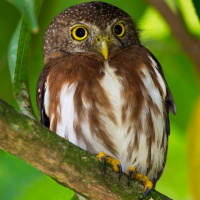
[[189, 42], [67, 164]]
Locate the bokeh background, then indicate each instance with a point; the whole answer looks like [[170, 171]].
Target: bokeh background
[[20, 181]]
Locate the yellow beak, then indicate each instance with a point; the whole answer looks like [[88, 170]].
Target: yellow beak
[[104, 48]]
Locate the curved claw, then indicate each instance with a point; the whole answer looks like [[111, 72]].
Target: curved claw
[[104, 163], [129, 176], [120, 171], [146, 192]]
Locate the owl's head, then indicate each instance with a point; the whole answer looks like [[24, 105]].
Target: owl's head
[[92, 27]]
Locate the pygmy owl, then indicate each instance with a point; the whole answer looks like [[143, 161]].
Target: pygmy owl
[[105, 92]]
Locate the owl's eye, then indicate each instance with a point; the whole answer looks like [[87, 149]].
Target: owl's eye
[[119, 29], [79, 32]]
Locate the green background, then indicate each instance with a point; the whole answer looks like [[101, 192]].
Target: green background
[[20, 181]]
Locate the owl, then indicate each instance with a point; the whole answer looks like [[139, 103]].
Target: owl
[[105, 92]]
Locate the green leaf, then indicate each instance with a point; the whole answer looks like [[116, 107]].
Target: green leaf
[[197, 7], [27, 8], [18, 60], [18, 54], [12, 51]]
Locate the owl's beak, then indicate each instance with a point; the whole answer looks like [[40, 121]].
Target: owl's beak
[[102, 43], [104, 48]]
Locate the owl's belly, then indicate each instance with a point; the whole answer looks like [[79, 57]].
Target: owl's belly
[[109, 125]]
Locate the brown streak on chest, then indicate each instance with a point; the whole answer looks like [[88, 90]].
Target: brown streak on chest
[[93, 95]]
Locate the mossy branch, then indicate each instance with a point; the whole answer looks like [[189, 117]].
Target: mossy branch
[[67, 164]]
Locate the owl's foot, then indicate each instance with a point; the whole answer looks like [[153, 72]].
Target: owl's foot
[[148, 185], [115, 163]]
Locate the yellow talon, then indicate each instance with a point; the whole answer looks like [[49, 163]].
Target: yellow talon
[[132, 169], [144, 180], [101, 154], [148, 185], [140, 177], [115, 163]]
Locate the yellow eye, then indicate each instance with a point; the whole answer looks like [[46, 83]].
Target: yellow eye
[[79, 32], [119, 29]]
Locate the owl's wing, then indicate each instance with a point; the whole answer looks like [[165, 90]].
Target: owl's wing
[[40, 97], [169, 101]]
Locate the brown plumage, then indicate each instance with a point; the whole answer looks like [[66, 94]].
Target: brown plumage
[[117, 101]]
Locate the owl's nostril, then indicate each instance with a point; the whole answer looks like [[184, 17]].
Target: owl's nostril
[[98, 39]]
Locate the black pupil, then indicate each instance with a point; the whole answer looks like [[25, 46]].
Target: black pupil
[[118, 29], [80, 32]]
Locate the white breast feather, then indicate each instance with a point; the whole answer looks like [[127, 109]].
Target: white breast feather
[[112, 87], [65, 126], [47, 100]]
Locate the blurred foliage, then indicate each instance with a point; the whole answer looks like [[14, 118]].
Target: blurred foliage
[[12, 17], [27, 8], [194, 149], [189, 16], [197, 7], [20, 181]]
